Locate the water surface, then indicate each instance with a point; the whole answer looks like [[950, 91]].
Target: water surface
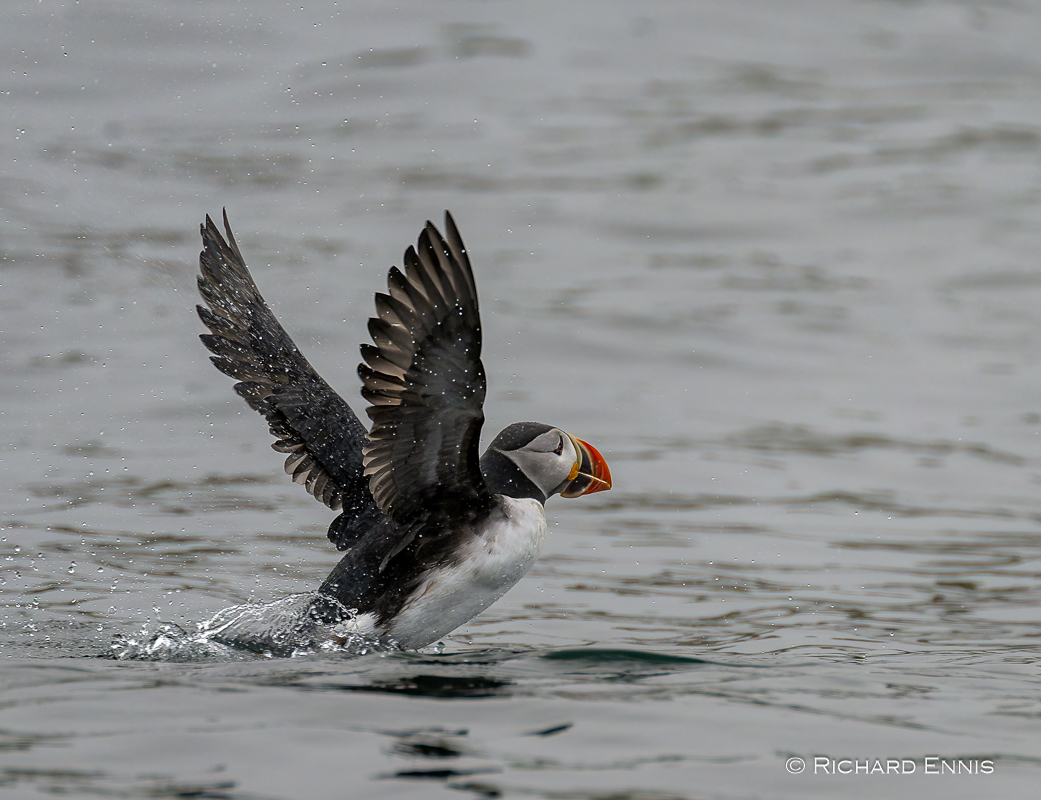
[[777, 261]]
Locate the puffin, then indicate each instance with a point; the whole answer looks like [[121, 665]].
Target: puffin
[[433, 532]]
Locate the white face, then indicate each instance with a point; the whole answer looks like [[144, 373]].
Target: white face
[[549, 460]]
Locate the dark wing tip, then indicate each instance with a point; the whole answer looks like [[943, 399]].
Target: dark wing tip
[[231, 236]]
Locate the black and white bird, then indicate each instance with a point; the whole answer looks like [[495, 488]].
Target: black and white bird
[[433, 532]]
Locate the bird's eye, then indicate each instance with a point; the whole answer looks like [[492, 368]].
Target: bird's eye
[[560, 447]]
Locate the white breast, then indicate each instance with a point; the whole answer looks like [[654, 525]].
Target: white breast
[[494, 560]]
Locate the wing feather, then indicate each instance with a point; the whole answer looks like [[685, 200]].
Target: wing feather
[[404, 292], [426, 385], [310, 422]]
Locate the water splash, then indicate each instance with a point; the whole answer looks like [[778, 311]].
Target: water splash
[[291, 626]]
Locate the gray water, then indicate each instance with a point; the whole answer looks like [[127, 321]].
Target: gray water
[[777, 261]]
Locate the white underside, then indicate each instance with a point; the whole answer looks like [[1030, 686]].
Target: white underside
[[451, 596]]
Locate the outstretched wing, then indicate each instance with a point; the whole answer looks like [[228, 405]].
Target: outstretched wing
[[309, 421], [425, 382]]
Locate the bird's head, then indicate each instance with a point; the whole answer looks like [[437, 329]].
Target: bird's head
[[531, 459]]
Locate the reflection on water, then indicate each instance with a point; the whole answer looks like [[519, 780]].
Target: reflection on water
[[782, 261]]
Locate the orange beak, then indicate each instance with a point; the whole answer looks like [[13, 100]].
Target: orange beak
[[591, 473]]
